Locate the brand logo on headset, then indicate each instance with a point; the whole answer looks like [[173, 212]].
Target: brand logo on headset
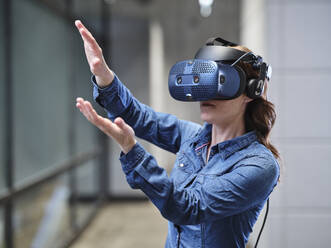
[[214, 74]]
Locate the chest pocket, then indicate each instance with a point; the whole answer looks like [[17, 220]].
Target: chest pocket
[[182, 169]]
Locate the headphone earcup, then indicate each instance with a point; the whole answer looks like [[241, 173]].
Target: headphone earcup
[[254, 88], [250, 88]]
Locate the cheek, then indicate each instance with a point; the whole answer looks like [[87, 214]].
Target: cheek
[[231, 107], [228, 105]]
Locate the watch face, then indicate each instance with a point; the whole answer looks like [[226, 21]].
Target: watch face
[[269, 72]]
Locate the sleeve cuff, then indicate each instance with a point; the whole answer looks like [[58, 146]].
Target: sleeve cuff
[[110, 87], [109, 90], [130, 160]]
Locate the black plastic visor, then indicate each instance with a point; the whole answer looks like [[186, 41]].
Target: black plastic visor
[[219, 53]]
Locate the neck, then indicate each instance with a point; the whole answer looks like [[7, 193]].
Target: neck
[[226, 131]]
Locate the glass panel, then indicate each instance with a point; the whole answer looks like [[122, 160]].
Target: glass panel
[[41, 82], [2, 105], [41, 216]]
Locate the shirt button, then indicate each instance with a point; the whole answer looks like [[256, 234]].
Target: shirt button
[[181, 165]]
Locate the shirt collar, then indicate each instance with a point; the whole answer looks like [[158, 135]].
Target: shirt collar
[[228, 147]]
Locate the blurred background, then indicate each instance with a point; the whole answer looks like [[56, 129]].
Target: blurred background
[[61, 184]]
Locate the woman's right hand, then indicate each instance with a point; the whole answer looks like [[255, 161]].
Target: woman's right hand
[[103, 75], [121, 132]]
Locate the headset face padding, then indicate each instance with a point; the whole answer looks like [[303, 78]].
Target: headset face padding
[[243, 81]]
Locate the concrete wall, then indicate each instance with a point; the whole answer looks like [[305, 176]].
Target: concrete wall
[[296, 38]]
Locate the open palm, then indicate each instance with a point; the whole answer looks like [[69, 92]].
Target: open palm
[[98, 66], [121, 132]]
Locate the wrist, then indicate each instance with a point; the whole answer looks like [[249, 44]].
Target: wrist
[[105, 80], [127, 148]]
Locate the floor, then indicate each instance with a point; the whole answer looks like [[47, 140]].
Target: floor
[[124, 225]]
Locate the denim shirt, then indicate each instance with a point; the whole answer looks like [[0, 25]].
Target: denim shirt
[[212, 203]]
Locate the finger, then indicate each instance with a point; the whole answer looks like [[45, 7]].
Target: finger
[[91, 111], [99, 123], [86, 34], [79, 24], [102, 123], [80, 103], [80, 107], [108, 127], [79, 100], [91, 116], [88, 38], [83, 108], [83, 111]]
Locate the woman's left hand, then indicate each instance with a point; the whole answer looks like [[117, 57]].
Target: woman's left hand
[[121, 132]]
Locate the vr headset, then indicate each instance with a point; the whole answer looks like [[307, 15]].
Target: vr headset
[[214, 74]]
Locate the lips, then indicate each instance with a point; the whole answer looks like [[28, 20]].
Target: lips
[[207, 104]]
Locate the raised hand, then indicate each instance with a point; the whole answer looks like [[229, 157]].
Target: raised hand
[[104, 76], [121, 132]]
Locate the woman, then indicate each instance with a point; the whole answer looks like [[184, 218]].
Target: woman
[[224, 172]]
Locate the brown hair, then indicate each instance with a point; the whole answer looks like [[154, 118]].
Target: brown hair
[[260, 114]]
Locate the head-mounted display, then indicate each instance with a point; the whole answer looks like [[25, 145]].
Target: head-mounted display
[[214, 74]]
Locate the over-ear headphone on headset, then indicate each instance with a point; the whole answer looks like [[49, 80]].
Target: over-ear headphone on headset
[[214, 74], [255, 86]]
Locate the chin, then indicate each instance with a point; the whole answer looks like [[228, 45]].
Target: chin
[[206, 118]]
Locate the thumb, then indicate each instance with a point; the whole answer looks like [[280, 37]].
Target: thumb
[[126, 139], [121, 124]]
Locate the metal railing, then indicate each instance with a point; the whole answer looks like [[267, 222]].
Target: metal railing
[[50, 174], [7, 198]]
